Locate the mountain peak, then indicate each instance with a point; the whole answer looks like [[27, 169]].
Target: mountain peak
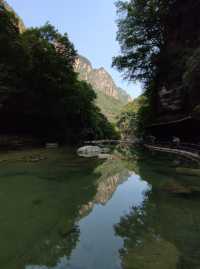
[[99, 78], [110, 98]]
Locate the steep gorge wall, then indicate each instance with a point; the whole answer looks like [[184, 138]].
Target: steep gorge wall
[[100, 79], [177, 95], [110, 98]]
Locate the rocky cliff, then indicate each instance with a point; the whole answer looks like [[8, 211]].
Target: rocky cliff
[[176, 99], [21, 25], [100, 79], [110, 98]]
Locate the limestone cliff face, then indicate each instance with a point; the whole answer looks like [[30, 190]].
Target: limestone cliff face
[[100, 79], [110, 98], [170, 103], [84, 68], [175, 97]]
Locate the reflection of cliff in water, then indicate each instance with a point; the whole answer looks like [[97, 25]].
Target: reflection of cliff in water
[[96, 185], [164, 231], [113, 173]]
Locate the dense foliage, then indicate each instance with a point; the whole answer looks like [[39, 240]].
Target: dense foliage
[[127, 120], [40, 94], [140, 35], [133, 118], [160, 44]]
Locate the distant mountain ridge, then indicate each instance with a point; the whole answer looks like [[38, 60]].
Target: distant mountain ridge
[[110, 98]]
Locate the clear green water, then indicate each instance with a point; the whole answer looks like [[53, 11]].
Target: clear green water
[[60, 211]]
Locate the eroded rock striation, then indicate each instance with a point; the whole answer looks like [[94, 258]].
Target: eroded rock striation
[[100, 79], [110, 98]]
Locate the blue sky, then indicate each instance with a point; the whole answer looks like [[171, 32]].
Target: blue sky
[[90, 25]]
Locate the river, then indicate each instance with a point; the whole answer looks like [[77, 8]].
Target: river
[[61, 211]]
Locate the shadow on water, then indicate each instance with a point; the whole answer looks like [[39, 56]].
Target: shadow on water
[[60, 211]]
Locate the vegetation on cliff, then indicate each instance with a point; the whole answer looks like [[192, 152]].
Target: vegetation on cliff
[[40, 93], [160, 47], [110, 98], [133, 118]]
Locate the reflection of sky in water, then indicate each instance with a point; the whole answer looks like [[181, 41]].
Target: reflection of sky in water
[[98, 246]]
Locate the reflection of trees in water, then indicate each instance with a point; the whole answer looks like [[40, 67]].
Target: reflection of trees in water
[[40, 227], [143, 245], [165, 231], [96, 187], [50, 252]]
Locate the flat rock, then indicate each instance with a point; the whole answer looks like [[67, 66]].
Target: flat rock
[[89, 151]]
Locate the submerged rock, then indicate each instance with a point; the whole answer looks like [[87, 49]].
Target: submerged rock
[[94, 151]]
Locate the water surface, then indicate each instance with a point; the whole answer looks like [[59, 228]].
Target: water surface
[[60, 211]]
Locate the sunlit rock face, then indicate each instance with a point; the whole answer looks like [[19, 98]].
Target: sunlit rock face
[[100, 79], [105, 190], [84, 68], [21, 25], [107, 187], [110, 98], [103, 81]]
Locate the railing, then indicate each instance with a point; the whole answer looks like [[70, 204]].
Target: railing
[[110, 142], [190, 147]]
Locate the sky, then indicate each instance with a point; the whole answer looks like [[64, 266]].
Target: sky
[[90, 24]]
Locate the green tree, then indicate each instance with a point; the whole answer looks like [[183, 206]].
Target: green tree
[[159, 42], [40, 93], [12, 56], [134, 117], [141, 36]]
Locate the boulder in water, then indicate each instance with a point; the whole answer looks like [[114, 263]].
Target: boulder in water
[[89, 151]]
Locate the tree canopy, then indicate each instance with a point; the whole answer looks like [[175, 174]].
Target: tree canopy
[[160, 43], [40, 93], [140, 36]]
